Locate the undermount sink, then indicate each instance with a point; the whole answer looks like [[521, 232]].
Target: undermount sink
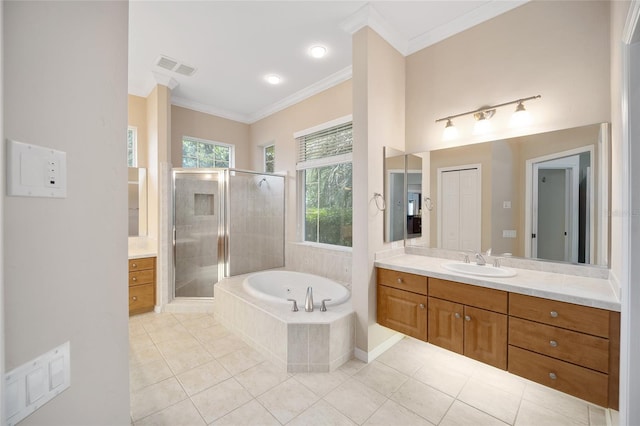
[[479, 270]]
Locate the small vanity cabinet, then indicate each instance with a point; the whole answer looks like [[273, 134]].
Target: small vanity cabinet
[[569, 347], [469, 320], [402, 302], [142, 285]]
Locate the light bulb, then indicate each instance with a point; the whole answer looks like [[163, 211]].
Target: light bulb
[[482, 126], [521, 117], [450, 131], [273, 79], [317, 51]]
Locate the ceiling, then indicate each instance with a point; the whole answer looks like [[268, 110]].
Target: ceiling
[[234, 44]]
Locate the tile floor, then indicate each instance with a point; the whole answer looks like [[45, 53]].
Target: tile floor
[[187, 369]]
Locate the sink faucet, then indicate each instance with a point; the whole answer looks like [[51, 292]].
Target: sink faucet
[[308, 301], [480, 260]]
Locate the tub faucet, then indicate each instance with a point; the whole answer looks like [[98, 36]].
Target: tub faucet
[[308, 301], [294, 308]]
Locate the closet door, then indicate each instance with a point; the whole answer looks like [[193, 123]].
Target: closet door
[[460, 213]]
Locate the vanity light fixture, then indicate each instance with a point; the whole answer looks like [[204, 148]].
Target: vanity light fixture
[[317, 51], [482, 116], [520, 117], [273, 79]]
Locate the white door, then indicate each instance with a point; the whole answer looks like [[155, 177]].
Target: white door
[[555, 209], [460, 209]]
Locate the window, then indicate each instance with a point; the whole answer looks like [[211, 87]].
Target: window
[[269, 158], [132, 147], [199, 153], [325, 170]]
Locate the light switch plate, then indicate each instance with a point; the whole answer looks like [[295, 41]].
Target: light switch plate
[[35, 171], [508, 233], [36, 382]]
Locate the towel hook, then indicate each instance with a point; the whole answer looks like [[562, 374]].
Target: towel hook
[[378, 196]]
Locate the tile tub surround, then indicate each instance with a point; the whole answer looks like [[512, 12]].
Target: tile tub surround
[[294, 341], [581, 290]]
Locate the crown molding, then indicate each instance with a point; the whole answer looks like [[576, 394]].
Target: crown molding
[[368, 16], [165, 80], [207, 109], [320, 86], [481, 14]]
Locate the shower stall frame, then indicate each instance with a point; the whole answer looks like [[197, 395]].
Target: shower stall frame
[[223, 209]]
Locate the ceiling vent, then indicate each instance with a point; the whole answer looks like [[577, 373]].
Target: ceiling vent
[[185, 70], [166, 63], [172, 65]]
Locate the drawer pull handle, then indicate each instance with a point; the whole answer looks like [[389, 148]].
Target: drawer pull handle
[[467, 318], [399, 280], [553, 314], [457, 315], [422, 306], [134, 279], [553, 376], [134, 265], [135, 298], [553, 343]]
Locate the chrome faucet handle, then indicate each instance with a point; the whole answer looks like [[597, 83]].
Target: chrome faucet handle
[[496, 262], [466, 258], [294, 308], [323, 307], [480, 260]]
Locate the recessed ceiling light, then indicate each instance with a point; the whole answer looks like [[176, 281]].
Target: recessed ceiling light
[[317, 51], [273, 79]]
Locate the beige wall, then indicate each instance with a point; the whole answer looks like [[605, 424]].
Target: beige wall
[[379, 120], [187, 122], [558, 49], [66, 259], [138, 119], [279, 128]]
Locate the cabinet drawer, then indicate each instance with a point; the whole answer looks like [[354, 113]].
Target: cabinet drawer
[[560, 314], [141, 298], [563, 376], [577, 348], [403, 311], [142, 263], [471, 295], [141, 277], [403, 281]]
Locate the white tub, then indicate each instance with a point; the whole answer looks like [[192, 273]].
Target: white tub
[[255, 307], [278, 286]]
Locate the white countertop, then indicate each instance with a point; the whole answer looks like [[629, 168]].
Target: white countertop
[[587, 291], [140, 247]]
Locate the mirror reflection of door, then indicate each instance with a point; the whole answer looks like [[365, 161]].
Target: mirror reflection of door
[[414, 203], [460, 208], [561, 209], [396, 204]]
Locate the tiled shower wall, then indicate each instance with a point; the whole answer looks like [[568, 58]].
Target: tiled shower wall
[[196, 222], [256, 222]]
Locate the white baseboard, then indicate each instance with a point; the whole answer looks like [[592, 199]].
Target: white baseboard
[[378, 350]]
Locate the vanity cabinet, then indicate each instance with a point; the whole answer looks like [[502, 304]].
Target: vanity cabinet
[[569, 347], [402, 302], [469, 320], [142, 285]]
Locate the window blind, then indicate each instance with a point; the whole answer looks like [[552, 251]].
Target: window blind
[[330, 146]]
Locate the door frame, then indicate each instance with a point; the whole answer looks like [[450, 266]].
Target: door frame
[[439, 173], [529, 194]]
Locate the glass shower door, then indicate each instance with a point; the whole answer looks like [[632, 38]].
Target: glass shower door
[[197, 222]]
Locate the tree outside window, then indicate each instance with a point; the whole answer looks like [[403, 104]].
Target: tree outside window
[[269, 158], [132, 147], [198, 153]]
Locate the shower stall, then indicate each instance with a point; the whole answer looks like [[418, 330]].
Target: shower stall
[[225, 222]]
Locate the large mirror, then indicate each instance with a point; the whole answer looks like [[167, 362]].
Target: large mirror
[[137, 202], [542, 196]]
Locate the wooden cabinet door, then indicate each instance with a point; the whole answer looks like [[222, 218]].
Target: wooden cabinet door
[[446, 324], [485, 336], [403, 311]]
